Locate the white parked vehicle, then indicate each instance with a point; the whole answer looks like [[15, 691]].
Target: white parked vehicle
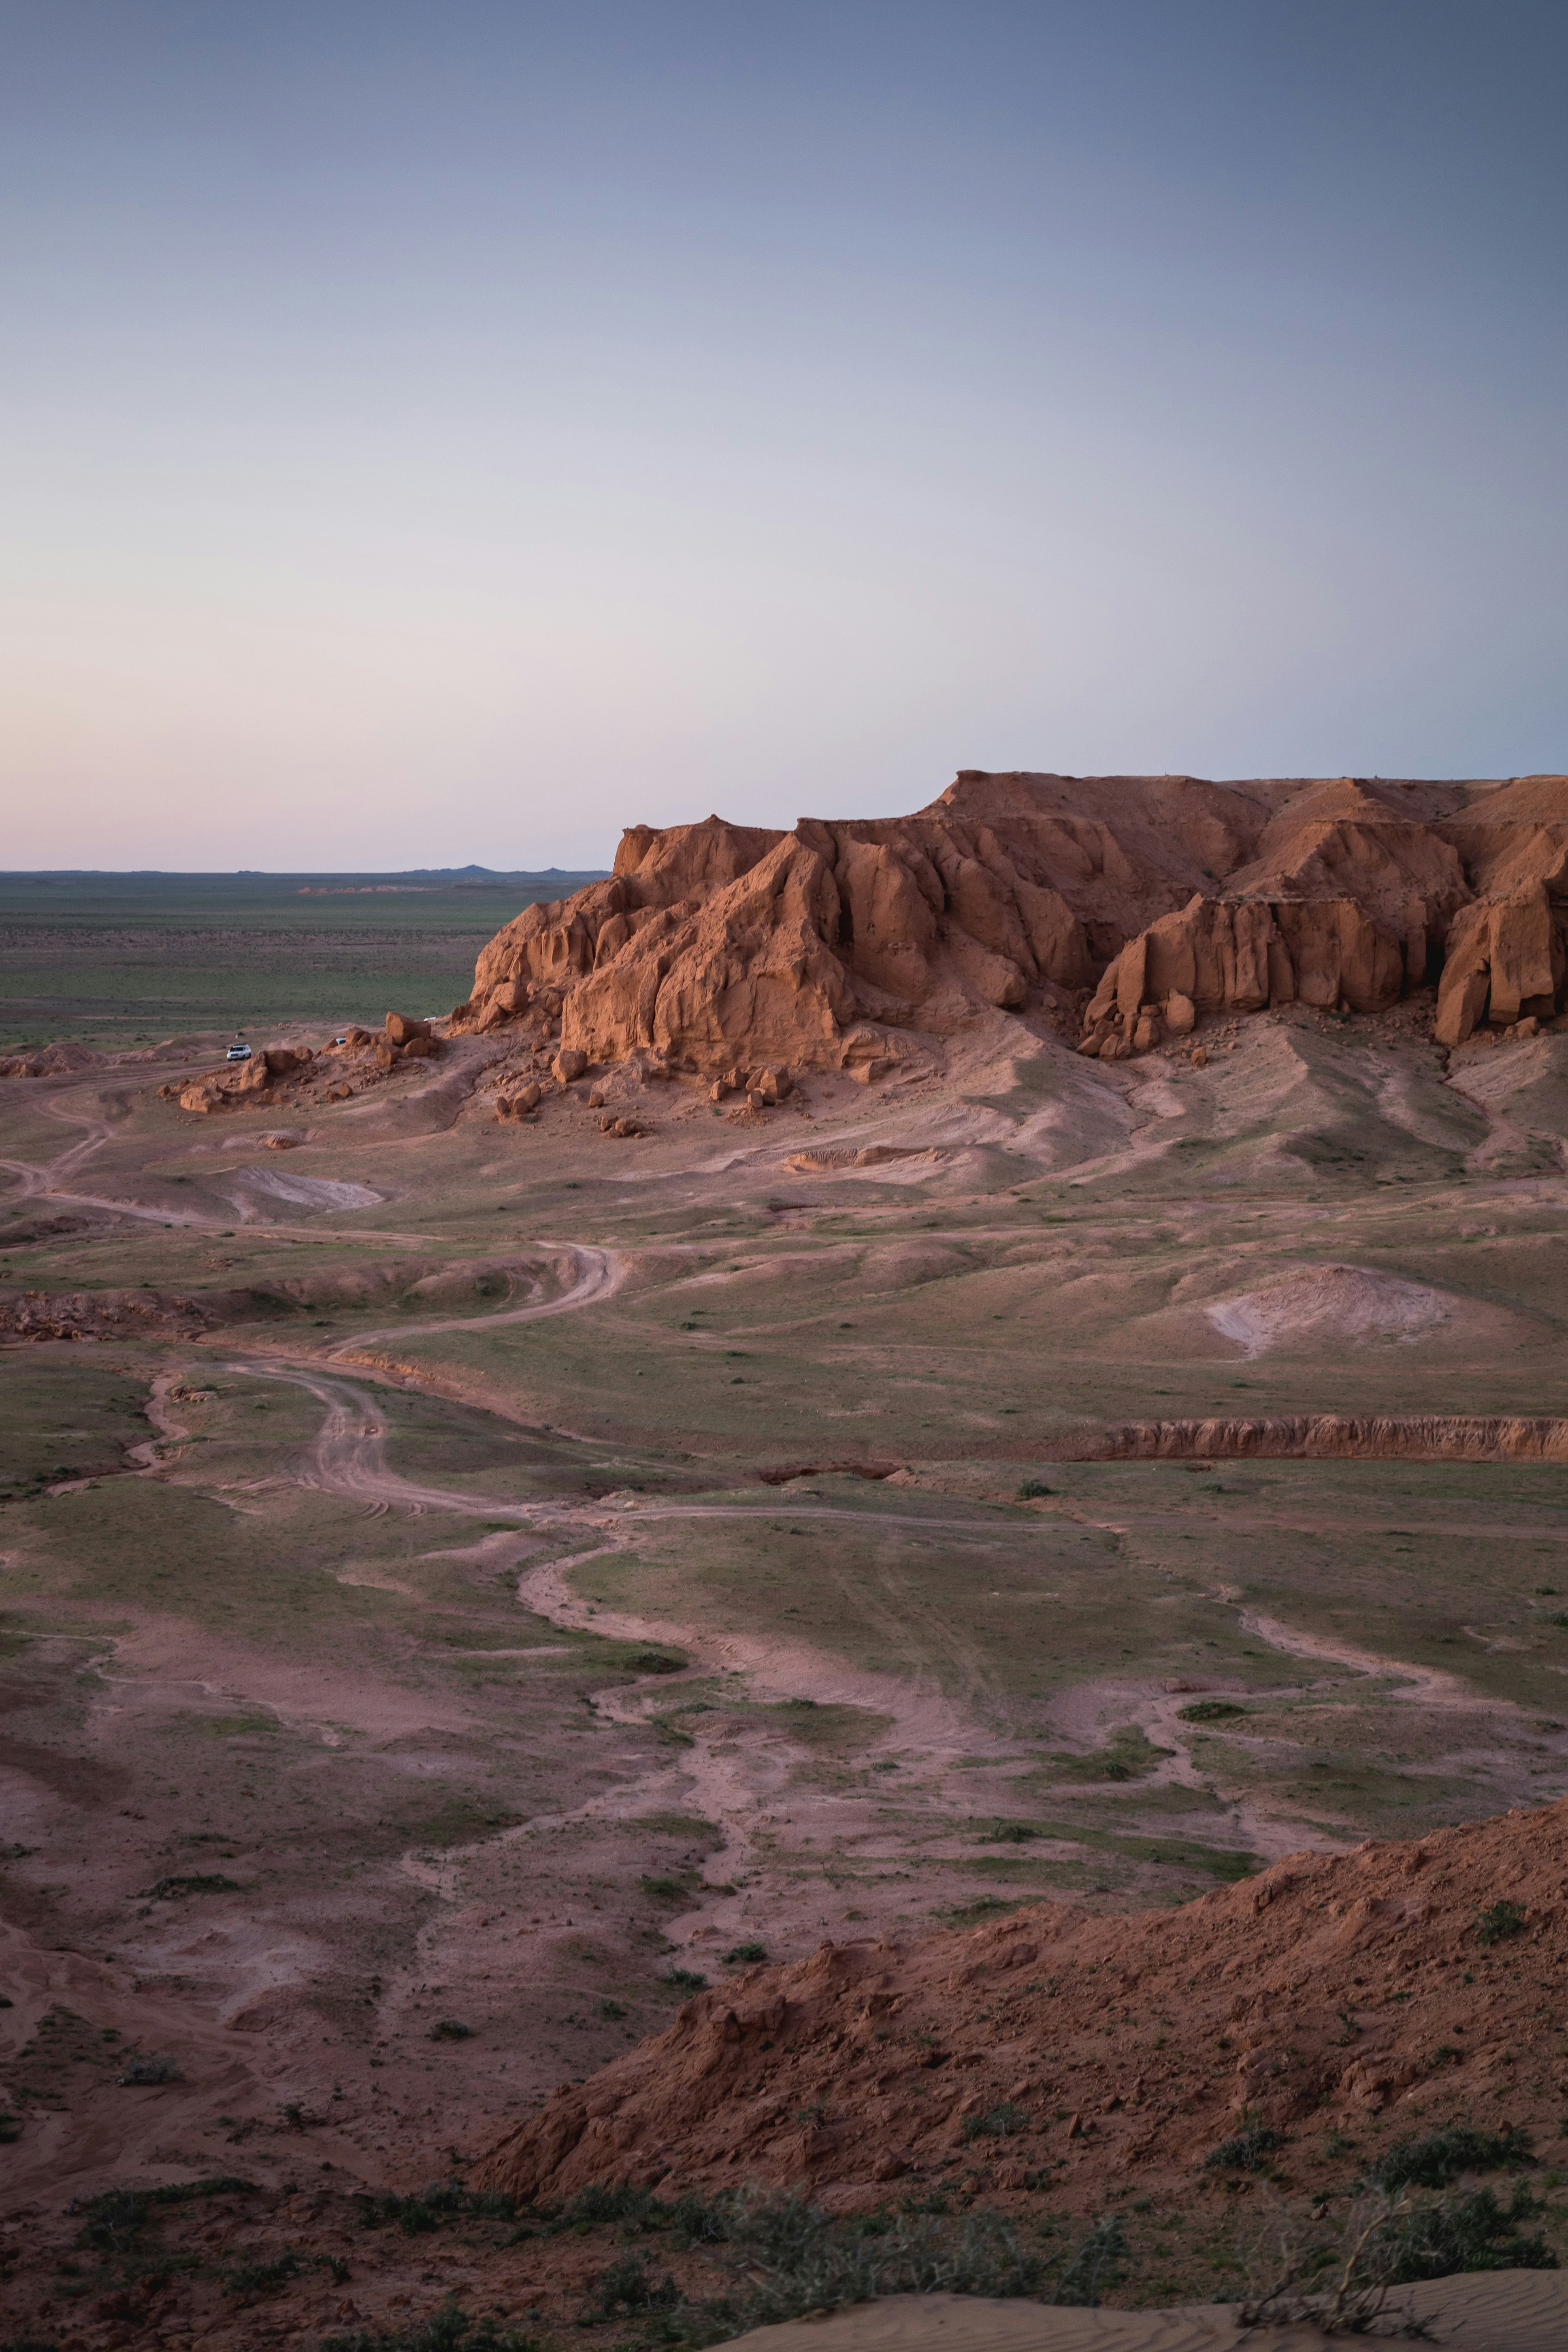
[[239, 1053]]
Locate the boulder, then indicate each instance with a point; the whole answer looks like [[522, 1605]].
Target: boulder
[[421, 1049], [400, 1027], [1180, 1014], [519, 1103], [569, 1064], [281, 1060], [388, 1054]]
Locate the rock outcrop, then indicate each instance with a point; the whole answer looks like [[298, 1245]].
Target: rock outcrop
[[1125, 908], [1145, 2041], [55, 1061]]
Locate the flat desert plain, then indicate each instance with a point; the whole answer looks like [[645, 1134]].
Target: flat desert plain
[[476, 1585]]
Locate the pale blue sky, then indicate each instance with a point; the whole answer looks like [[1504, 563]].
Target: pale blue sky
[[447, 433]]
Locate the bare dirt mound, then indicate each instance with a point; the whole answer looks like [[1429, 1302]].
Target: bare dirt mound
[[1346, 1304], [1401, 1980], [1022, 892]]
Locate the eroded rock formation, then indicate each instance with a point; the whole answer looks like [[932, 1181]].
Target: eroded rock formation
[[1125, 907]]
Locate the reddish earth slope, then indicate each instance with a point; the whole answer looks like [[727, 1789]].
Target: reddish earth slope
[[1123, 904], [1362, 1990]]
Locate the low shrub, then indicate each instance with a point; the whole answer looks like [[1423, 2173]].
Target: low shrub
[[1000, 2122], [200, 1882], [448, 2330], [450, 2029], [1245, 2150], [741, 1956], [1209, 1710], [625, 2287], [1093, 2264], [1468, 2233], [442, 2201], [1439, 2159], [248, 2280], [151, 2069], [684, 1980], [1499, 1922]]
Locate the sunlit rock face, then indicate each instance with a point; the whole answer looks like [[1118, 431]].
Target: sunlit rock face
[[1122, 907]]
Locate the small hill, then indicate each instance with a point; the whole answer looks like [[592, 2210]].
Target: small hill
[[1357, 1998]]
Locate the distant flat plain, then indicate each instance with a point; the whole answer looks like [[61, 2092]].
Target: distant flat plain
[[121, 960]]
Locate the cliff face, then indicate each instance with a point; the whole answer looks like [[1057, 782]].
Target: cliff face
[[1124, 905]]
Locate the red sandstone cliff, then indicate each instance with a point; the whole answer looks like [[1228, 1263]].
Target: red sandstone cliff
[[1127, 904]]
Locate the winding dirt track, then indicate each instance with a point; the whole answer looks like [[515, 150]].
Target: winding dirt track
[[594, 1274], [349, 1457]]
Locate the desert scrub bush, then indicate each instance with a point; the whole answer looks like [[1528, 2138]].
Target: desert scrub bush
[[1499, 1921], [115, 2225], [1439, 2159], [450, 2329], [999, 2123], [1473, 2233], [1209, 1710], [1095, 2264], [1340, 2280], [1032, 1490], [442, 2201], [154, 2068], [246, 2281], [625, 2287], [742, 1955], [451, 2029], [689, 2222], [684, 1980], [1245, 2150], [199, 1882], [799, 2261]]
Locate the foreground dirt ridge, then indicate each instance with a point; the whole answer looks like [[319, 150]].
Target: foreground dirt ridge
[[1332, 1990], [1121, 907]]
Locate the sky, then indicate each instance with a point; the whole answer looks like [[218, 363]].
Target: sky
[[447, 433]]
